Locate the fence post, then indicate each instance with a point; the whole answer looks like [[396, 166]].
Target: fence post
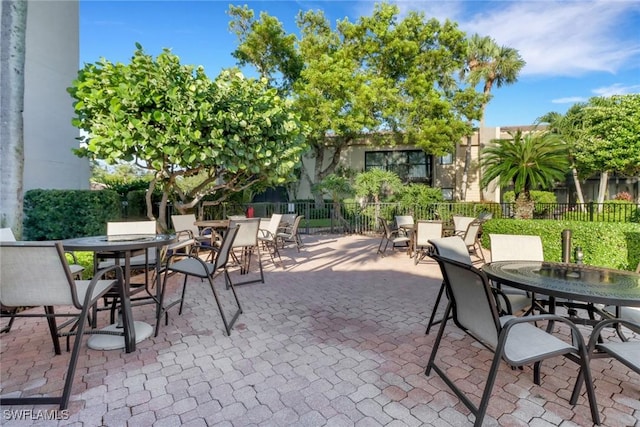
[[591, 207], [566, 246]]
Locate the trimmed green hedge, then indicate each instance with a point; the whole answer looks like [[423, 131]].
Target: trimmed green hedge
[[66, 214], [605, 244]]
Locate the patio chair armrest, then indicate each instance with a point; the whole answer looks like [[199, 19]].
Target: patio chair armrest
[[101, 275], [192, 255], [575, 332], [187, 234], [265, 234], [538, 318], [595, 334]]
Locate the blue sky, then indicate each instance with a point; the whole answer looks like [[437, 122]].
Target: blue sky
[[574, 49]]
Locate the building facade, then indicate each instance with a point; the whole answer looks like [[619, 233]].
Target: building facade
[[51, 64], [412, 164]]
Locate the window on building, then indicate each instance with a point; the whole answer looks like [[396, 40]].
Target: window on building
[[447, 193], [447, 159], [410, 165]]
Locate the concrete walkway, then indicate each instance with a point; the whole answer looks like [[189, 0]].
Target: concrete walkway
[[337, 338]]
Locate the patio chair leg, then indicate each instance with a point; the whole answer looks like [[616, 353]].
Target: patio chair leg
[[432, 320], [436, 344], [584, 375], [51, 321], [227, 325], [8, 327]]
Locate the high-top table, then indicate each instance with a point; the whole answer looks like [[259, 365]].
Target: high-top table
[[123, 247]]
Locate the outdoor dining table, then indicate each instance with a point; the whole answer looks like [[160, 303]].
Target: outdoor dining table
[[587, 285], [123, 247], [216, 224]]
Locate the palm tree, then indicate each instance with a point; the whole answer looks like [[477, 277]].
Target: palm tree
[[494, 65], [528, 162], [566, 128]]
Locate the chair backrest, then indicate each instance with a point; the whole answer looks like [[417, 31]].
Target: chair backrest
[[296, 224], [485, 216], [471, 233], [385, 227], [473, 304], [6, 235], [516, 247], [452, 248], [227, 242], [130, 227], [289, 218], [247, 232], [461, 223], [185, 222], [404, 220], [274, 224], [427, 230], [35, 274]]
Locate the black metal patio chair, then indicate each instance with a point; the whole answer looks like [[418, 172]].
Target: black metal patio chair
[[515, 340]]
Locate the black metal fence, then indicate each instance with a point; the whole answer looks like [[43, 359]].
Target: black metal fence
[[361, 219]]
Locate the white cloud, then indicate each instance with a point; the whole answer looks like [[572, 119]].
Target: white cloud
[[616, 89], [569, 100], [565, 38], [606, 91], [555, 38]]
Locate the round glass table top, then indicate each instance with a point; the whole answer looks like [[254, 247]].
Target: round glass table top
[[573, 281], [118, 242]]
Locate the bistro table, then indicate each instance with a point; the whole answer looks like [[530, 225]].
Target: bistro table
[[123, 247], [216, 224], [587, 284]]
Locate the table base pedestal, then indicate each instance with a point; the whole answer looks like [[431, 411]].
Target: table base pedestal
[[114, 342]]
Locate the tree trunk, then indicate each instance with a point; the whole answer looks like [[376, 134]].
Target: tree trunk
[[317, 173], [602, 189], [13, 16], [524, 206], [465, 170], [576, 182], [337, 215]]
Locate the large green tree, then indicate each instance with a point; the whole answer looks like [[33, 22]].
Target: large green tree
[[528, 162], [232, 132], [13, 16], [490, 64], [609, 138], [383, 77], [603, 136]]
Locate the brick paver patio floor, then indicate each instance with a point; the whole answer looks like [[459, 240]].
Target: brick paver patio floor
[[336, 338]]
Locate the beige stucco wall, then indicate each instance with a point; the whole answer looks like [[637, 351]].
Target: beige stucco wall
[[52, 61]]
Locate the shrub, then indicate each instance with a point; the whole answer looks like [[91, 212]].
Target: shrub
[[623, 195], [137, 204], [605, 244], [536, 195], [66, 214]]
